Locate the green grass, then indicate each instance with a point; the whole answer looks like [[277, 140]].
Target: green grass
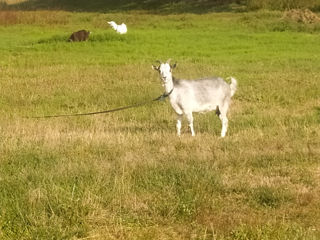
[[127, 175]]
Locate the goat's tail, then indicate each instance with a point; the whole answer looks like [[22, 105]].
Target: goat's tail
[[233, 86]]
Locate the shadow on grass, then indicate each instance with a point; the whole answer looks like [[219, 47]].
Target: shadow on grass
[[54, 39], [154, 6], [317, 110]]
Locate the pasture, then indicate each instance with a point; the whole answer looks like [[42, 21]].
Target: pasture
[[126, 175]]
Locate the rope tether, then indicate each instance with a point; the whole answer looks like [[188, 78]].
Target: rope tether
[[160, 98]]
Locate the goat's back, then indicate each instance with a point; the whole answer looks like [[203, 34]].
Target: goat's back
[[202, 94]]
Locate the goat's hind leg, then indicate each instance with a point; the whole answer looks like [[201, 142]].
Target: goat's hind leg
[[190, 121]]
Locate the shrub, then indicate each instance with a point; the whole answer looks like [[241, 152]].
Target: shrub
[[282, 4]]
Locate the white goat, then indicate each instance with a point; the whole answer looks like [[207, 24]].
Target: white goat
[[122, 28], [203, 95]]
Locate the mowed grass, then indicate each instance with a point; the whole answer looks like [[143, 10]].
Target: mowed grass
[[126, 175]]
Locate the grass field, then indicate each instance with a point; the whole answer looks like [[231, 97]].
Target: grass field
[[127, 175]]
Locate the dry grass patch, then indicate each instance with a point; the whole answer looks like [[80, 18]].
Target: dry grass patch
[[305, 16], [12, 2], [34, 18]]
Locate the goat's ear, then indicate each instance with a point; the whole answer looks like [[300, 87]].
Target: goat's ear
[[173, 66], [156, 68]]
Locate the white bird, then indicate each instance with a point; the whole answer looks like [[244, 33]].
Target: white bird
[[122, 29]]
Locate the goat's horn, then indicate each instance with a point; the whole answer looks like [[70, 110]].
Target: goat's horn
[[158, 61], [168, 61]]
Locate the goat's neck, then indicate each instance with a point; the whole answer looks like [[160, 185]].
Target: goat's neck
[[169, 85]]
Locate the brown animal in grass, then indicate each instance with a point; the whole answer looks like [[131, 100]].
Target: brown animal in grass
[[79, 36]]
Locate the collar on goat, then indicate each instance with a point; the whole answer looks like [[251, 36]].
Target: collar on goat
[[163, 96]]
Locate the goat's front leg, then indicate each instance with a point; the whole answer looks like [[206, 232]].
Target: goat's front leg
[[224, 121], [190, 121], [179, 120]]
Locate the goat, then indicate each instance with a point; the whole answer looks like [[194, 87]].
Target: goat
[[122, 28], [79, 36], [202, 95]]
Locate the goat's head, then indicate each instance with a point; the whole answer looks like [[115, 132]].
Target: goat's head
[[165, 70]]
